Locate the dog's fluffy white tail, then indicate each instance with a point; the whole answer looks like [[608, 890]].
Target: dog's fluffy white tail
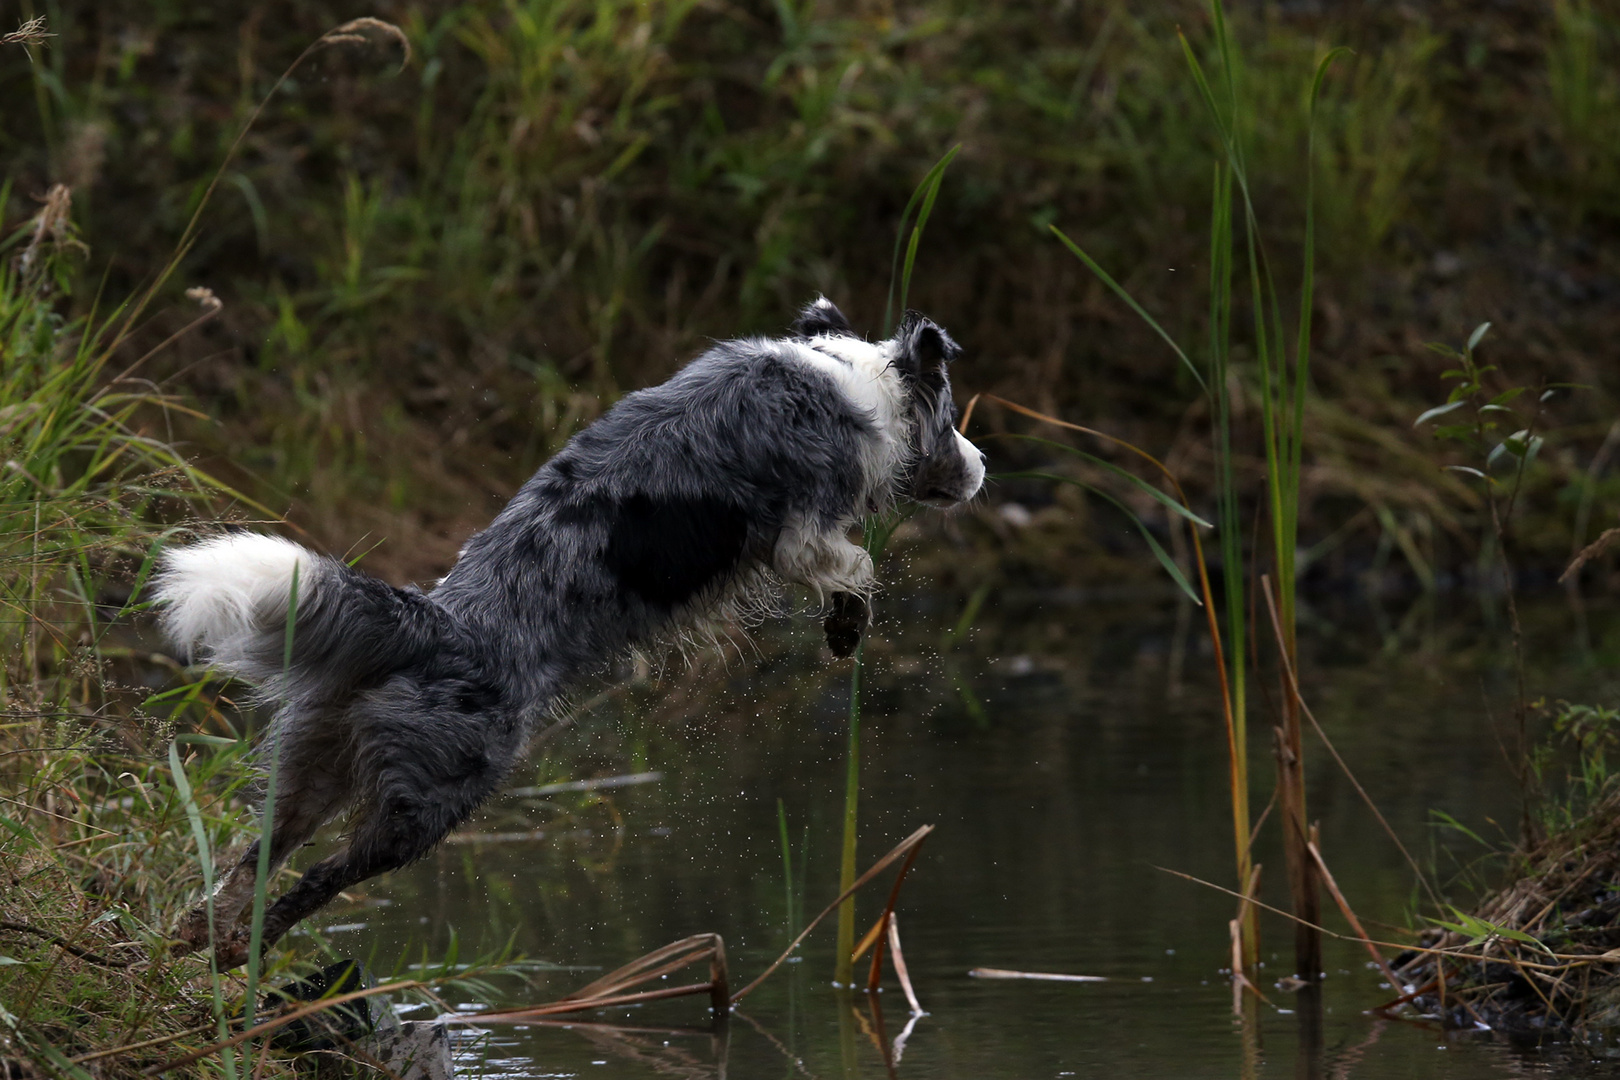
[[217, 596], [225, 600]]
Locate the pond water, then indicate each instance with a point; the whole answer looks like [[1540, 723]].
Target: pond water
[[1066, 748]]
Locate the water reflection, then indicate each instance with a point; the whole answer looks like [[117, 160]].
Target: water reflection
[[1085, 751]]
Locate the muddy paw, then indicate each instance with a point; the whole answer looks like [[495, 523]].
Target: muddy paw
[[846, 622], [232, 950], [192, 932]]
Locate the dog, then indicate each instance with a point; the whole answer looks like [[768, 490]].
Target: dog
[[741, 475]]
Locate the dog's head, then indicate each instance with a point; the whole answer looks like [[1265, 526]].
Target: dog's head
[[938, 466], [945, 468]]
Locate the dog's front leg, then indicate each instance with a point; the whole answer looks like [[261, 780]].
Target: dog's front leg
[[840, 571], [827, 562]]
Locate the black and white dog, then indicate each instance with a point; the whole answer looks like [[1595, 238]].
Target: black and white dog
[[684, 503]]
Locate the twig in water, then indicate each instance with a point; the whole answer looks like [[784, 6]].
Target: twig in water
[[609, 989], [875, 937], [1038, 976], [1240, 979], [1293, 686], [900, 969], [1350, 916]]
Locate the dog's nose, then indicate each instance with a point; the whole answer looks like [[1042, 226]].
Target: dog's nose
[[984, 458]]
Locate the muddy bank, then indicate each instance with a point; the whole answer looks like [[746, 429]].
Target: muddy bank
[[1538, 960]]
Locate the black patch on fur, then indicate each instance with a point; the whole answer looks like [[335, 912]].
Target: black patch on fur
[[821, 317], [669, 550]]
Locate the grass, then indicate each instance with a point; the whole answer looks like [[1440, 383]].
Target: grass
[[93, 873], [556, 201], [95, 877], [1282, 379]]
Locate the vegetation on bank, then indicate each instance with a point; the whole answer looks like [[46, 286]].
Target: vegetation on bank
[[123, 775], [1544, 943], [433, 272], [91, 853]]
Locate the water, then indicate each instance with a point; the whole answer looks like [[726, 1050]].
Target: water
[[1086, 752]]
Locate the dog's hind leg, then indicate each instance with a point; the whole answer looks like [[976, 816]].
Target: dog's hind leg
[[305, 802], [385, 839], [423, 758]]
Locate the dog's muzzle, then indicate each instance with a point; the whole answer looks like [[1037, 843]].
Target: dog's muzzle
[[951, 475]]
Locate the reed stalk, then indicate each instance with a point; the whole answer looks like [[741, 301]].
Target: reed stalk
[[879, 529], [844, 971], [1282, 381]]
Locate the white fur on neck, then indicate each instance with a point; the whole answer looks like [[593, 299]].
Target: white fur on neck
[[865, 373]]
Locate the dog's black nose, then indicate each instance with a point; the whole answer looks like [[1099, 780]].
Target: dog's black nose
[[984, 459]]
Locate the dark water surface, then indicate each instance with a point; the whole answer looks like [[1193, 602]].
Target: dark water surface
[[1065, 748]]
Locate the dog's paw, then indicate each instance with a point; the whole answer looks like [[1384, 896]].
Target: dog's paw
[[191, 933], [846, 622], [231, 951]]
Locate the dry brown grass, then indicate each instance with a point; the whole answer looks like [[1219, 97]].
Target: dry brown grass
[[1553, 969]]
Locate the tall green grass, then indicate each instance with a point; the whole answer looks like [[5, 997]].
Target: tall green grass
[[95, 829], [1281, 378], [83, 506], [85, 478]]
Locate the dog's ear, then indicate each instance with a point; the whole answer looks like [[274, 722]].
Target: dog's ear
[[821, 317], [925, 347]]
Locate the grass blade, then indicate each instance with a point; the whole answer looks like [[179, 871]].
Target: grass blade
[[1159, 553], [1130, 301], [1168, 501], [925, 190]]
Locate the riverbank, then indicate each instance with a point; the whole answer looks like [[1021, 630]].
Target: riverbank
[[435, 268]]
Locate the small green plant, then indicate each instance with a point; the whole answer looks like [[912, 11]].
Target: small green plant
[[1477, 931], [1480, 417], [1502, 440], [1591, 732]]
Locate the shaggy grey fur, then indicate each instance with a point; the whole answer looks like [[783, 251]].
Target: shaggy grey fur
[[406, 709]]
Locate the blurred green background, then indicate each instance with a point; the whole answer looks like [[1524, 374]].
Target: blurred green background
[[435, 269]]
